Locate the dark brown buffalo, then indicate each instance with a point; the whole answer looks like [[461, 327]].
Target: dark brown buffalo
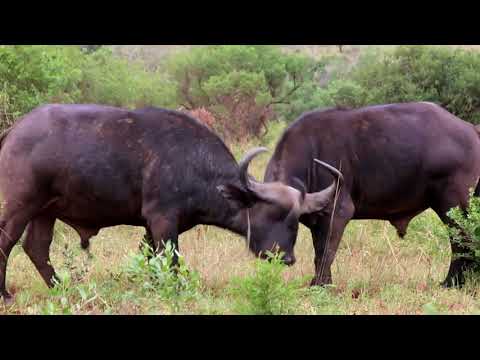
[[397, 160], [94, 166]]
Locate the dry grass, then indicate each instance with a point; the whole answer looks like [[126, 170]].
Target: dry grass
[[375, 272]]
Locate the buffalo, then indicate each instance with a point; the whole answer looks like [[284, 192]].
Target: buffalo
[[397, 160], [94, 166]]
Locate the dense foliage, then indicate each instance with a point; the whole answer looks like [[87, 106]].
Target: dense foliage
[[239, 90], [239, 85], [469, 222], [35, 75], [449, 77]]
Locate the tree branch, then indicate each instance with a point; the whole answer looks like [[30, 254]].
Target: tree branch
[[185, 92], [283, 100]]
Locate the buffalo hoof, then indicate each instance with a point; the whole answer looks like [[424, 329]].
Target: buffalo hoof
[[7, 298], [450, 283], [321, 282]]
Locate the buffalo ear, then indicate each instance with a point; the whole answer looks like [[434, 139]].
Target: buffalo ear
[[237, 193]]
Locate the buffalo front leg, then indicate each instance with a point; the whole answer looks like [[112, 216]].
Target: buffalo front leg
[[37, 246], [461, 261], [326, 242], [162, 229], [147, 241]]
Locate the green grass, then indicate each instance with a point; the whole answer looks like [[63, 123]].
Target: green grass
[[375, 272]]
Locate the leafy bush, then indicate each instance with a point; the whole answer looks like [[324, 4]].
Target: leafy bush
[[469, 222], [34, 75], [7, 113], [240, 88], [266, 292], [449, 77], [324, 300], [112, 80], [68, 297], [158, 276], [275, 131]]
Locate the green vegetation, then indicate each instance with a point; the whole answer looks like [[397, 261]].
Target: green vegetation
[[439, 74], [157, 276], [266, 292], [248, 94], [375, 272], [34, 75], [240, 85], [469, 222], [243, 87]]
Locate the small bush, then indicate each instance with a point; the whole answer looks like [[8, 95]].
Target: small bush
[[275, 131], [324, 300], [158, 276], [431, 309], [266, 292], [7, 112], [469, 223], [61, 293], [68, 297], [112, 80]]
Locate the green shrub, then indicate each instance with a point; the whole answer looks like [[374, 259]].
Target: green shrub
[[68, 297], [7, 112], [469, 222], [33, 75], [275, 130], [112, 80], [449, 77], [266, 292], [158, 276], [324, 300]]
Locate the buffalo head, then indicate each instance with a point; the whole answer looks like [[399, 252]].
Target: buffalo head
[[275, 208]]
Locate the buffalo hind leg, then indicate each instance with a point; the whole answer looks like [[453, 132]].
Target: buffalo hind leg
[[11, 229], [459, 264], [325, 253], [451, 197], [37, 246]]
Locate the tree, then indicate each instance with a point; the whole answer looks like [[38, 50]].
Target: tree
[[240, 85]]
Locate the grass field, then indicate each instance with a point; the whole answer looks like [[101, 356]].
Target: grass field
[[375, 272]]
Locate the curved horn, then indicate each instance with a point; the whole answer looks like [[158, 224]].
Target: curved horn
[[317, 201], [302, 187], [243, 164], [270, 192], [334, 171]]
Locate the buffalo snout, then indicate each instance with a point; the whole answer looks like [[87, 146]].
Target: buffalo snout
[[287, 259]]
